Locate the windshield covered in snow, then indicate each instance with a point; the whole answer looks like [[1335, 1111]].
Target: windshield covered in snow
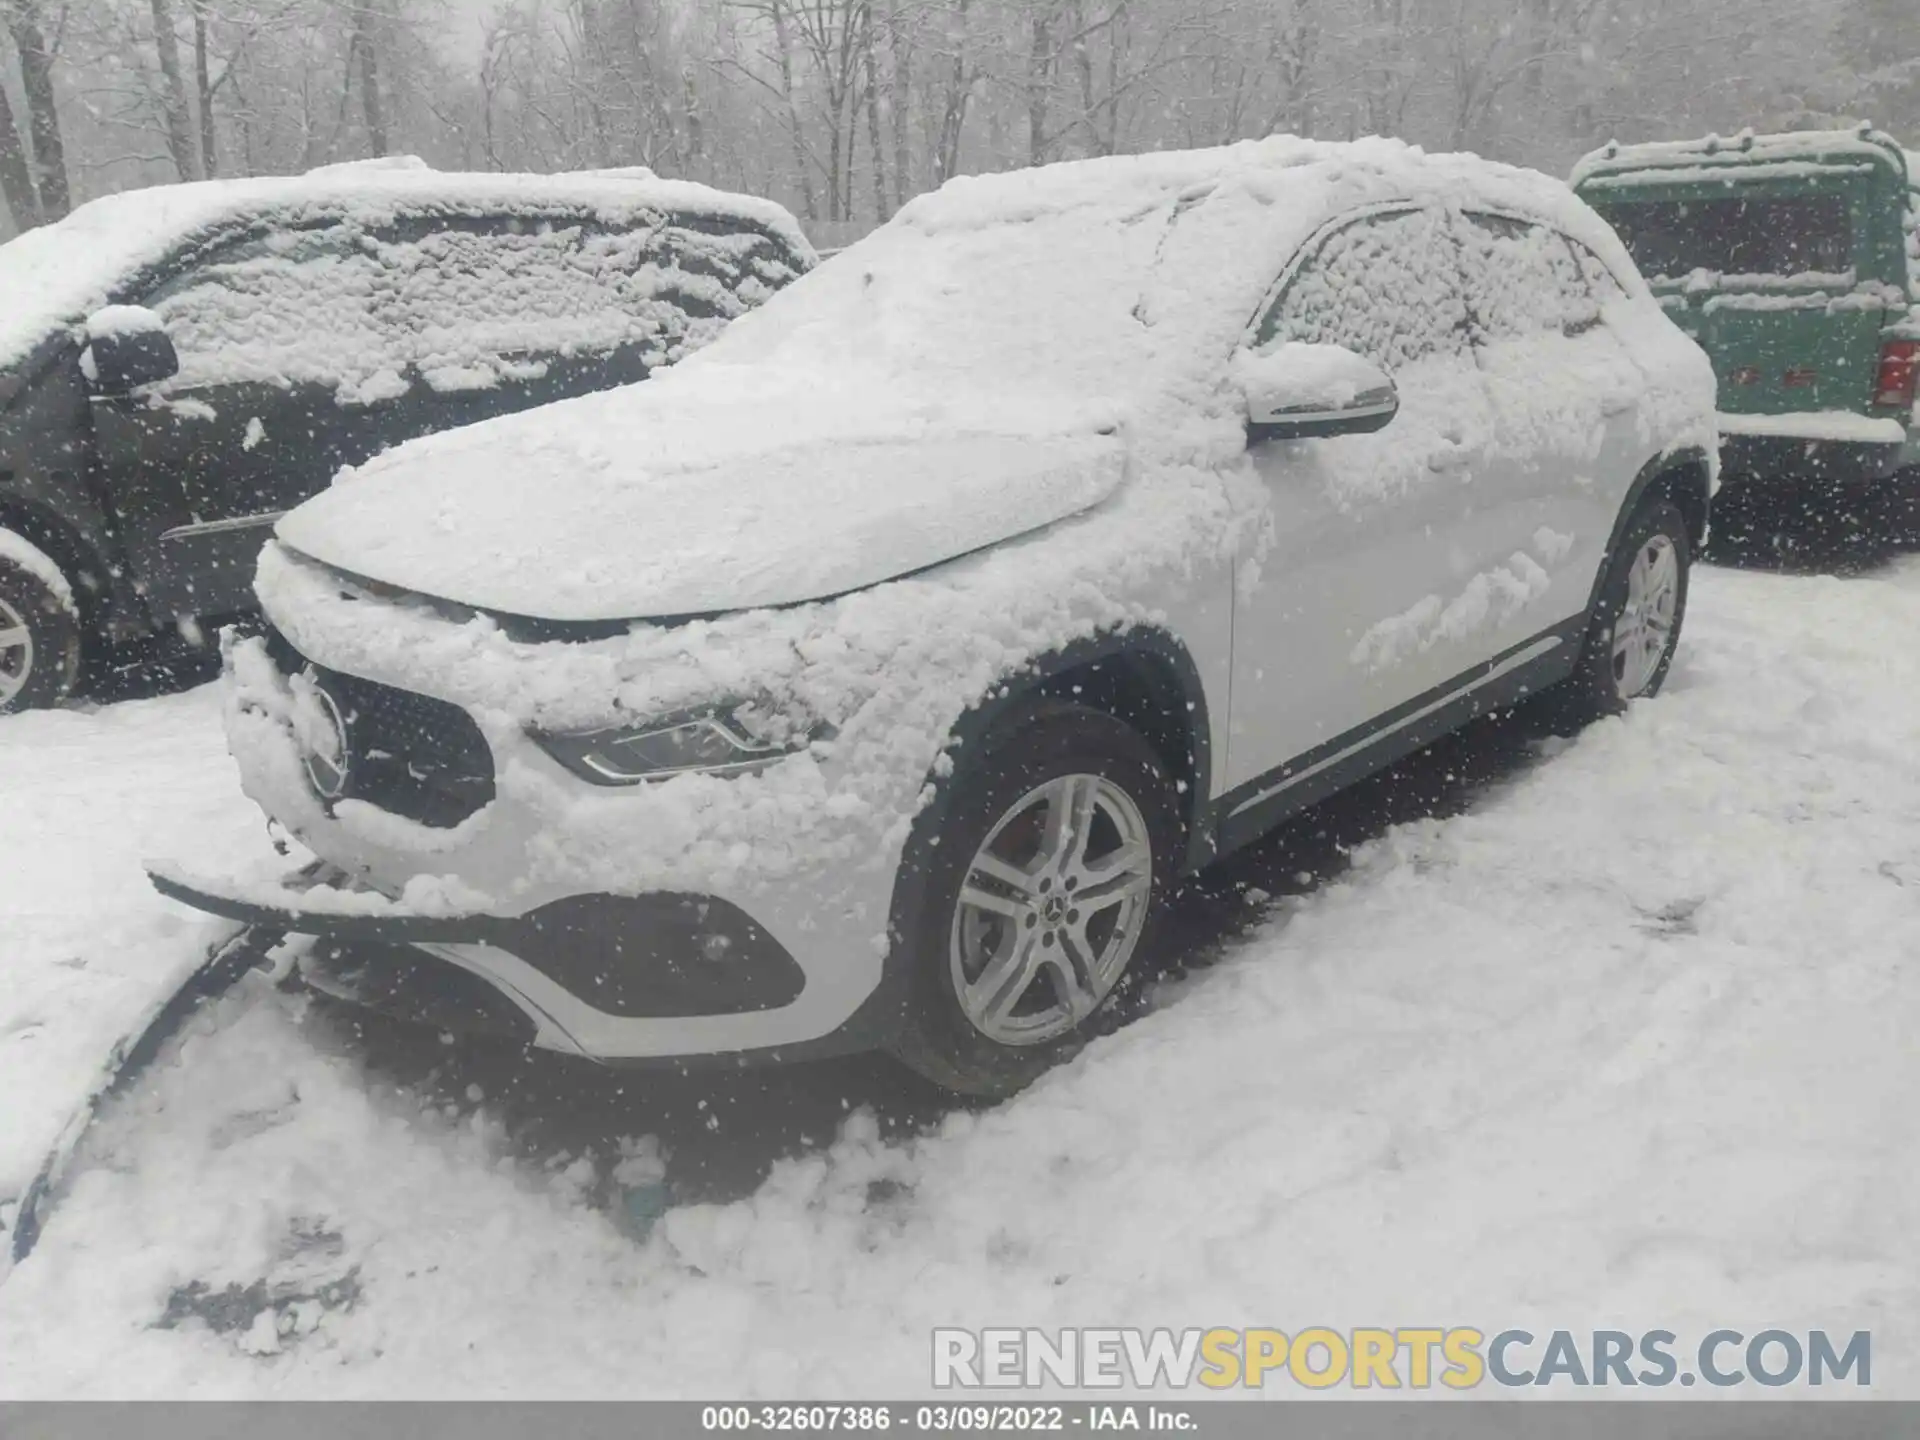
[[1059, 301]]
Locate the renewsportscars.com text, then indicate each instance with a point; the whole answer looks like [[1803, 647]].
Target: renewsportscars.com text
[[1457, 1358]]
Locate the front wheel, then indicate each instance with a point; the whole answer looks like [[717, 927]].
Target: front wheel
[[1635, 626], [1044, 890], [40, 635]]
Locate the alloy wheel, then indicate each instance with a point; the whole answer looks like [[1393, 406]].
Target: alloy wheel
[[1644, 631], [16, 653], [1052, 906]]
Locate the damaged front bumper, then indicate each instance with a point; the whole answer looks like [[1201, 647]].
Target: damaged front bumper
[[613, 978], [623, 924]]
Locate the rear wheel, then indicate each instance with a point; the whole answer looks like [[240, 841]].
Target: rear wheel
[[40, 635], [1635, 626], [1044, 891]]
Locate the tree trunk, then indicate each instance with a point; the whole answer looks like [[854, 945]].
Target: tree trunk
[[803, 174], [173, 95], [244, 110], [1038, 64], [16, 179], [900, 105], [370, 107], [696, 126], [203, 91], [1117, 41], [880, 210], [953, 115], [1083, 72], [43, 118]]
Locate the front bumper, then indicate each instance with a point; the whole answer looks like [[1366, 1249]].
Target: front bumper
[[593, 975], [697, 917]]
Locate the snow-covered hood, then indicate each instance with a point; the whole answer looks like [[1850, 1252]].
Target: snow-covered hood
[[534, 517]]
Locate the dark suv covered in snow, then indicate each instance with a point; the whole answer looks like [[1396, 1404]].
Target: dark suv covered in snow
[[180, 365]]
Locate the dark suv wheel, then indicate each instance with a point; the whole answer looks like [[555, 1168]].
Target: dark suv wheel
[[1045, 889], [40, 636]]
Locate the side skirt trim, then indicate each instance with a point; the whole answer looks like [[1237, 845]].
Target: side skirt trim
[[1252, 809]]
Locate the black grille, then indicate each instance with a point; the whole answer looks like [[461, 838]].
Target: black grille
[[416, 756], [410, 754]]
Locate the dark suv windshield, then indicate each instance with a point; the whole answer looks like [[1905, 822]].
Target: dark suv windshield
[[1736, 236]]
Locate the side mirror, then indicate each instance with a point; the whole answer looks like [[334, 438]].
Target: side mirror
[[128, 347], [1295, 391]]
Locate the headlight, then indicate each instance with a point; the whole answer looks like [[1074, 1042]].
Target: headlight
[[713, 742]]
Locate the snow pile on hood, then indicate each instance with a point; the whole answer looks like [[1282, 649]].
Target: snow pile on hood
[[696, 541], [1060, 301], [54, 276]]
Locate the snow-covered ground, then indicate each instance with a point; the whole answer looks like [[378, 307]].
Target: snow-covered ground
[[1629, 1043]]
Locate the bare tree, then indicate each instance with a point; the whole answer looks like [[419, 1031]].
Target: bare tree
[[16, 174], [173, 93], [365, 46], [844, 109], [25, 23], [203, 87]]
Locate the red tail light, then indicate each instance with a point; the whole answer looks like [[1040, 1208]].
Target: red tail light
[[1899, 369]]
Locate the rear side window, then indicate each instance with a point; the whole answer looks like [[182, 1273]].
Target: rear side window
[[1384, 286], [1522, 279], [1738, 235]]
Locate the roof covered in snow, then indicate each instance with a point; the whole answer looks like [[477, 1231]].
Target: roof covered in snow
[[52, 277], [1086, 282], [1152, 259], [1796, 148]]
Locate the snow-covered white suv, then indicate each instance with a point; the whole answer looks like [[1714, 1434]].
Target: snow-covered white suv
[[871, 678]]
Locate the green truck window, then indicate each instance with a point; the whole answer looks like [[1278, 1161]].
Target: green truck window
[[1740, 235]]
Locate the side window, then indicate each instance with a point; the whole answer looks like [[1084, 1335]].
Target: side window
[[485, 297], [284, 307], [1384, 286], [1523, 279]]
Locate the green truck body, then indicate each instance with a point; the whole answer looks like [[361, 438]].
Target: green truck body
[[1794, 261]]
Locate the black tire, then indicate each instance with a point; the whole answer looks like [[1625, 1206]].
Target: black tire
[[1595, 690], [1040, 743], [50, 663]]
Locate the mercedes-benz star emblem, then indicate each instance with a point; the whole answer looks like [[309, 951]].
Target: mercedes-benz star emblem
[[329, 762]]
